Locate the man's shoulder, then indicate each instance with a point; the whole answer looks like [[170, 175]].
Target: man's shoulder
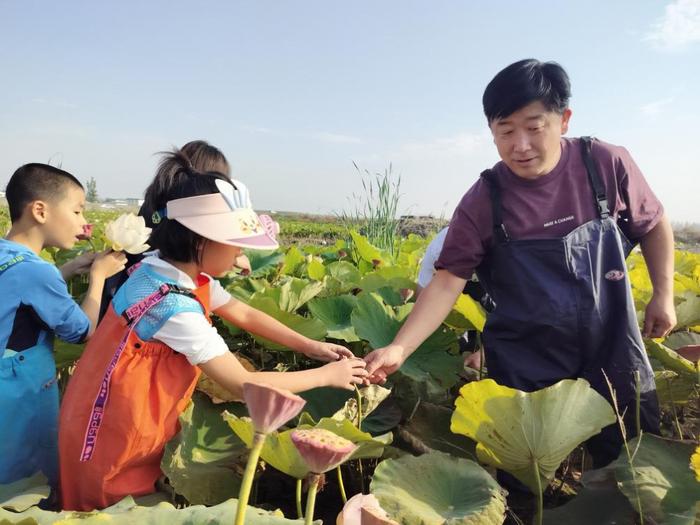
[[603, 151]]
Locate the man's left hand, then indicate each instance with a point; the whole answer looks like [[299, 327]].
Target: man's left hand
[[659, 317]]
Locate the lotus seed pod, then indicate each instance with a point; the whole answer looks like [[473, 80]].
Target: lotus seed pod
[[321, 449], [363, 509]]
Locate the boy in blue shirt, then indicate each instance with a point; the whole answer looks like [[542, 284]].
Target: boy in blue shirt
[[46, 209]]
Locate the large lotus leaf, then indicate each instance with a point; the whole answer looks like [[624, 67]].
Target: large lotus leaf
[[345, 272], [325, 401], [695, 463], [205, 461], [373, 281], [670, 359], [293, 259], [280, 452], [430, 363], [24, 493], [315, 269], [601, 506], [310, 327], [429, 429], [667, 488], [471, 310], [369, 252], [334, 313], [264, 262], [686, 262], [688, 310], [377, 323], [127, 512], [438, 489], [517, 431], [292, 294], [675, 388], [681, 338]]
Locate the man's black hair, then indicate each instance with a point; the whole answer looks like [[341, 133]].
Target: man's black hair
[[33, 182], [175, 241], [525, 82]]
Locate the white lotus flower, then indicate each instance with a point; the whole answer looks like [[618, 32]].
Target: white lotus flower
[[128, 233]]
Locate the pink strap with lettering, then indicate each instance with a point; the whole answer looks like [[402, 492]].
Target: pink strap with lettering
[[133, 315]]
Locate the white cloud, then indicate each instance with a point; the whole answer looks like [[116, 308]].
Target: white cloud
[[456, 145], [652, 109], [679, 27], [336, 138]]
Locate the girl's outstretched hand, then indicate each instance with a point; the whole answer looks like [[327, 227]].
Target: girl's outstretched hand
[[322, 351], [346, 373]]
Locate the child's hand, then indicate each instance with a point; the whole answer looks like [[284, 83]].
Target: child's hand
[[346, 373], [80, 264], [107, 263], [326, 351]]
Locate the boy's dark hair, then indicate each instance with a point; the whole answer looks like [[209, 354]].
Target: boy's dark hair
[[200, 156], [33, 182], [525, 82], [174, 241]]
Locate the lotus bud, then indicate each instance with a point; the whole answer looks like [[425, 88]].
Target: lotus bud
[[406, 294], [321, 449], [87, 232], [128, 233], [342, 254], [270, 407], [376, 262], [363, 509]]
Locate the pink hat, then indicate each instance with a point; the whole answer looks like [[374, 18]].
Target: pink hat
[[225, 217]]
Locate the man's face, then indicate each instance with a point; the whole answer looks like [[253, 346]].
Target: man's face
[[528, 140], [65, 220]]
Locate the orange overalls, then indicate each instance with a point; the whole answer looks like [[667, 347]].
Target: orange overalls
[[121, 408]]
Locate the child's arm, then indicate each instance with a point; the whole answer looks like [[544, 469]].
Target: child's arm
[[259, 323], [80, 264], [105, 265], [228, 372]]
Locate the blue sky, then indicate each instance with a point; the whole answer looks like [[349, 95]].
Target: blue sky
[[294, 92]]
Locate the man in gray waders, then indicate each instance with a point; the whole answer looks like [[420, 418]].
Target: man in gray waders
[[547, 231]]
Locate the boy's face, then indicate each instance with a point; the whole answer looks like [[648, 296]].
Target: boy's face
[[528, 140], [64, 218]]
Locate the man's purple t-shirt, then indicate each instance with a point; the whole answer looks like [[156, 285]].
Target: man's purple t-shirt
[[550, 206]]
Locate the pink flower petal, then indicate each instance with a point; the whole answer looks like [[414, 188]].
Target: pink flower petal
[[270, 407], [87, 232], [363, 509]]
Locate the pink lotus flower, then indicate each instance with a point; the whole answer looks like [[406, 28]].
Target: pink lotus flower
[[322, 450], [87, 232], [363, 509], [270, 407]]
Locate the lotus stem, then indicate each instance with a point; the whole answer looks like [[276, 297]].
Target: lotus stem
[[540, 496], [247, 483], [673, 409], [311, 498], [341, 485], [300, 514], [358, 398], [638, 401]]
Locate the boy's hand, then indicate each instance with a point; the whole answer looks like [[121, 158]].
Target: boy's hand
[[80, 264], [326, 351], [345, 373], [108, 263]]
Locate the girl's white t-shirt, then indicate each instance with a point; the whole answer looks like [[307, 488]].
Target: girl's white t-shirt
[[432, 252], [189, 333]]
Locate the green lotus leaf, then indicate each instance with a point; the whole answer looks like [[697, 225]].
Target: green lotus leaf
[[438, 489], [316, 270], [264, 262], [127, 512], [205, 462], [334, 313], [367, 445], [528, 434], [373, 281], [667, 488], [602, 506], [369, 252], [24, 493], [471, 311], [390, 296], [681, 338], [292, 260], [292, 294], [325, 401], [675, 388], [429, 429], [311, 328], [346, 273], [670, 359], [430, 364], [278, 450], [66, 353], [688, 311]]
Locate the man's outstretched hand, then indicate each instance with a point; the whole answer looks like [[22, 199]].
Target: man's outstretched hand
[[383, 362]]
